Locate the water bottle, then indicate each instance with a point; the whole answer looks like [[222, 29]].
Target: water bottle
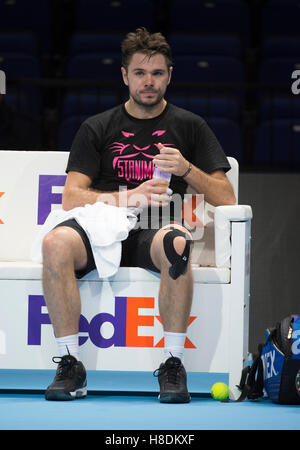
[[158, 174]]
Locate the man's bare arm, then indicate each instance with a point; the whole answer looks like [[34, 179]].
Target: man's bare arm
[[215, 186], [78, 192]]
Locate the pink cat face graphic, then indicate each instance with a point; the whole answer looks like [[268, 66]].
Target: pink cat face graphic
[[128, 161]]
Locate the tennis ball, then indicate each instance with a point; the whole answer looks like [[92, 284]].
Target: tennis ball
[[219, 391]]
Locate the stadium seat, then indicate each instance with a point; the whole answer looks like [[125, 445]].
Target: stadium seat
[[281, 18], [229, 135], [96, 66], [19, 102], [181, 44], [277, 144], [281, 47], [90, 103], [21, 66], [282, 2], [210, 45], [18, 65], [83, 43], [68, 130], [207, 69], [31, 15], [112, 15], [216, 16], [279, 108], [207, 106], [276, 75], [25, 43]]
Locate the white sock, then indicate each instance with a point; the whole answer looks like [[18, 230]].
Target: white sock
[[174, 344], [68, 344]]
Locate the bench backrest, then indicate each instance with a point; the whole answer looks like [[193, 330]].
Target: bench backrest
[[31, 185]]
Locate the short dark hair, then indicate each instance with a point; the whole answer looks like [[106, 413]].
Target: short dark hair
[[141, 41]]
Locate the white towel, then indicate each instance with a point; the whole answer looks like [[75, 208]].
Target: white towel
[[105, 225]]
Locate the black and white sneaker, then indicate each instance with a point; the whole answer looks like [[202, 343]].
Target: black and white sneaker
[[70, 380], [172, 380]]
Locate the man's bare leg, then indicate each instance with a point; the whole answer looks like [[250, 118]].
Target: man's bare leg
[[175, 296], [175, 300], [63, 252]]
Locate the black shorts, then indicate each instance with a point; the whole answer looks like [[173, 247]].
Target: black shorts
[[135, 249]]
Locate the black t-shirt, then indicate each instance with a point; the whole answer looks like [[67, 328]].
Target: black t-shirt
[[116, 149]]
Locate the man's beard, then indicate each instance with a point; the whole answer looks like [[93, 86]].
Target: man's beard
[[147, 104]]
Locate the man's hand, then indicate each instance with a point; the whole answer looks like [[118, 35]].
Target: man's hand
[[171, 160], [148, 193]]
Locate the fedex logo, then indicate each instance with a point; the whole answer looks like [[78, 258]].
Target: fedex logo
[[125, 321], [47, 196]]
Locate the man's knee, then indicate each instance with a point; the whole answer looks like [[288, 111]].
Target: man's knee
[[54, 244], [179, 243], [173, 245], [64, 246]]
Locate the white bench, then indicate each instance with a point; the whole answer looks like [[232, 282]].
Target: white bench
[[120, 327]]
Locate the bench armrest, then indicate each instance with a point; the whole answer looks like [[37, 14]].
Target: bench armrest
[[224, 215]]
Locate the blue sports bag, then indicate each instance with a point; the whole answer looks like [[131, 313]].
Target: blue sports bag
[[276, 369]]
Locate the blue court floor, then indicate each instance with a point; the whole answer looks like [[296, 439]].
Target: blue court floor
[[128, 401]]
